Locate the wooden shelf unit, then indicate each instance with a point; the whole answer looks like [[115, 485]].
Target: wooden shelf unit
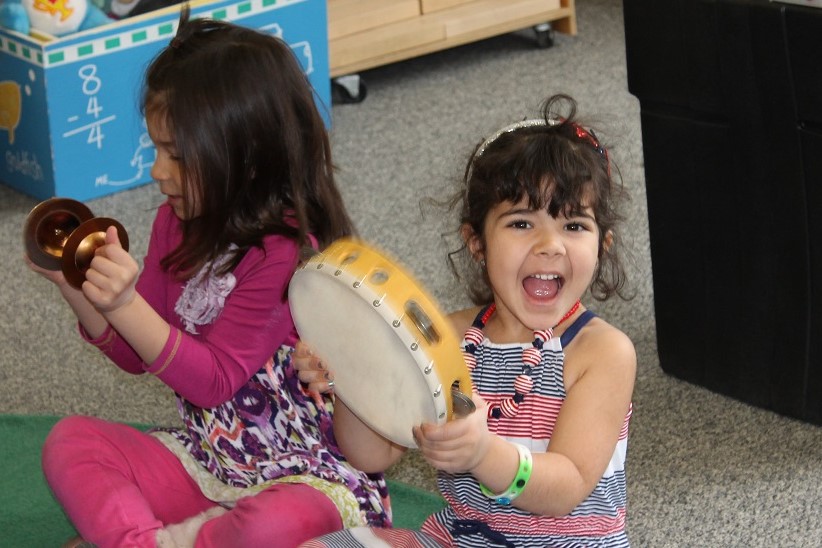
[[364, 34]]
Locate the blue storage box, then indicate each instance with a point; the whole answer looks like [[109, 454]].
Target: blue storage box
[[70, 124]]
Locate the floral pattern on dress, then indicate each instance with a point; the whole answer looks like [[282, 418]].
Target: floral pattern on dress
[[273, 429]]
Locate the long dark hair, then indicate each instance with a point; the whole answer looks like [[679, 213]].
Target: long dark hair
[[557, 164], [253, 149]]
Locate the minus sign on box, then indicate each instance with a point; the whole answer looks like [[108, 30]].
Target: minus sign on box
[[96, 123]]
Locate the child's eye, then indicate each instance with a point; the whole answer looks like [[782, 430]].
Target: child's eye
[[519, 224], [171, 153], [576, 227]]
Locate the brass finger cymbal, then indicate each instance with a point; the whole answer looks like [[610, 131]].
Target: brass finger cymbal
[[48, 227], [81, 245]]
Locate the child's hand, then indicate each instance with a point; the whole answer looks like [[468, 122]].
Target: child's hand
[[54, 276], [458, 445], [111, 276], [311, 370]]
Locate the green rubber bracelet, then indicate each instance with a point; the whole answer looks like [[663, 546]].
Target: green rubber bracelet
[[526, 466]]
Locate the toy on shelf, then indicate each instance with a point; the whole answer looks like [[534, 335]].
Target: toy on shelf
[[51, 17]]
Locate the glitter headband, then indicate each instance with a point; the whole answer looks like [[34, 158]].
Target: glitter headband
[[534, 122], [586, 135], [509, 128]]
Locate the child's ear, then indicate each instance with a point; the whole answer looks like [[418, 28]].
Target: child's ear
[[607, 242], [473, 242]]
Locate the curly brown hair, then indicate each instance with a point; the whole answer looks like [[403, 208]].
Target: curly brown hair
[[557, 164]]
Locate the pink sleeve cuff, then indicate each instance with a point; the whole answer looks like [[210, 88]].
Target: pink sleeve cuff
[[104, 342], [169, 352]]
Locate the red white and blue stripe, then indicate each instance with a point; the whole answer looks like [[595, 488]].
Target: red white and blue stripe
[[598, 521]]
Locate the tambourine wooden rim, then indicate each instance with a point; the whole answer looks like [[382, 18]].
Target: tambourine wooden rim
[[53, 206], [80, 246], [361, 276]]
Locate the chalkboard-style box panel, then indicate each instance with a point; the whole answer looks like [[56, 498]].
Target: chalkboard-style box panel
[[70, 124]]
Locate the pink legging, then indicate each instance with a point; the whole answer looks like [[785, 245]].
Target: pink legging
[[119, 486]]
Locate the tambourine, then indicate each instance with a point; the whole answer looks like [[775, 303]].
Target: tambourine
[[396, 358], [63, 234]]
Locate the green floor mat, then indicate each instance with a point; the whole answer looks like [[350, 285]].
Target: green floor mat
[[30, 517]]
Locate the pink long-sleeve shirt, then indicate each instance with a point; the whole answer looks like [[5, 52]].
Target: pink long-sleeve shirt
[[209, 367], [247, 419]]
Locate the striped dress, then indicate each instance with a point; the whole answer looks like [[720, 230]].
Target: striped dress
[[473, 520]]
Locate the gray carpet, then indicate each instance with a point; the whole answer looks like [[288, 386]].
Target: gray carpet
[[704, 470]]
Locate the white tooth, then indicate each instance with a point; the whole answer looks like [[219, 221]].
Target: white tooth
[[546, 276]]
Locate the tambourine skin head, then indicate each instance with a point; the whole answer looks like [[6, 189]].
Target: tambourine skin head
[[48, 227], [83, 243], [394, 355]]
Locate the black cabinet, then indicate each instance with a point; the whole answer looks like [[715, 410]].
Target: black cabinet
[[731, 109]]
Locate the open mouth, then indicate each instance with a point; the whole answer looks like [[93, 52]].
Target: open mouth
[[542, 286]]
